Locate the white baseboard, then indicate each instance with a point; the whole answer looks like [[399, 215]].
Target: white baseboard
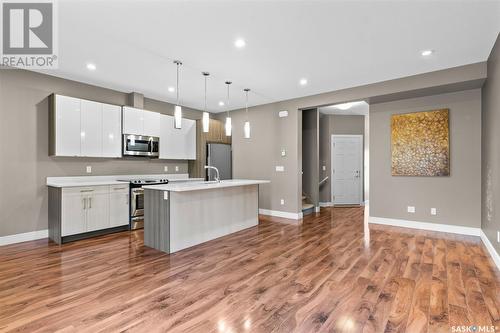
[[454, 229], [24, 237], [493, 253], [277, 213], [326, 204]]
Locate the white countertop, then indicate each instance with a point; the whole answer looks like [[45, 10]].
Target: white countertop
[[196, 186], [113, 180]]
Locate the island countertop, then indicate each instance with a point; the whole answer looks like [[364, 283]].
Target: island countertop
[[196, 186]]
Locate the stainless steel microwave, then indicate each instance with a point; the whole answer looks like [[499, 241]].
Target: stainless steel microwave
[[139, 145]]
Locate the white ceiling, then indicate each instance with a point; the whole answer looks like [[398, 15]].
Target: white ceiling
[[333, 44], [360, 108]]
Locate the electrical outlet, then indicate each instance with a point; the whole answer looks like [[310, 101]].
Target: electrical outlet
[[165, 168], [176, 168], [165, 195], [283, 152], [411, 209], [324, 167], [434, 211], [282, 201], [280, 168], [89, 169]]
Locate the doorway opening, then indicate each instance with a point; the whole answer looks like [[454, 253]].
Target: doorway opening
[[344, 154]]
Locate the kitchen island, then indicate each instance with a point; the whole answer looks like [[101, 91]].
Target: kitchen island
[[181, 215]]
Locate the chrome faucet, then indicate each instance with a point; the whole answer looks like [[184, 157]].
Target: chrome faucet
[[217, 176]]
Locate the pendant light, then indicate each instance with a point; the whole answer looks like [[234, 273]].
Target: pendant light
[[206, 117], [228, 119], [246, 127], [178, 109]]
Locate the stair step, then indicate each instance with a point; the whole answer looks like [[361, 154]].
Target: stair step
[[307, 206]]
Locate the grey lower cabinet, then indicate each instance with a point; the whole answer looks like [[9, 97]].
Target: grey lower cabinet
[[82, 212]]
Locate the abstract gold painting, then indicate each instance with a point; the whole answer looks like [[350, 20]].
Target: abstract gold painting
[[420, 143]]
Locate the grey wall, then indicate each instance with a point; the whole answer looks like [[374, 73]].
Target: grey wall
[[25, 163], [457, 197], [257, 157], [491, 149], [310, 155], [329, 125]]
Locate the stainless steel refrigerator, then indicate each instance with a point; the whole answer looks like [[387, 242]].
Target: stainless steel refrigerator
[[219, 156]]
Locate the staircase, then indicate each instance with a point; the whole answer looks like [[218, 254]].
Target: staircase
[[307, 207]]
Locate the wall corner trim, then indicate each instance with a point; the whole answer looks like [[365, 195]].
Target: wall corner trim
[[277, 213], [454, 229], [493, 253], [24, 237]]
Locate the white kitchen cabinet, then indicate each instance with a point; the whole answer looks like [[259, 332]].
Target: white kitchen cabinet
[[111, 130], [91, 129], [66, 122], [118, 205], [84, 128], [133, 121], [151, 123], [74, 213], [140, 122], [98, 209], [177, 143]]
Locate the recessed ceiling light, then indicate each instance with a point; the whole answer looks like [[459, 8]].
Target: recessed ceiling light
[[427, 53], [240, 43], [91, 67], [303, 82], [221, 103], [171, 89]]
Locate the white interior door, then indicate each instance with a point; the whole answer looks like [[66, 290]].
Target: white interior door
[[347, 170]]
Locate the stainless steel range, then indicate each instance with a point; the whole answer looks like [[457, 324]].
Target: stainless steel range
[[137, 200]]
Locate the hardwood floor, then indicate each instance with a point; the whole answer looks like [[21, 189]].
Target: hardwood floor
[[276, 277]]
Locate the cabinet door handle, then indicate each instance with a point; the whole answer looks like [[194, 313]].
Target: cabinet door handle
[[90, 202]]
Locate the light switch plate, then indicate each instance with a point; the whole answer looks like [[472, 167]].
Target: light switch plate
[[283, 152], [324, 167], [280, 168], [498, 236], [411, 209], [283, 113], [165, 168], [433, 211], [282, 201], [165, 195], [89, 169], [176, 168]]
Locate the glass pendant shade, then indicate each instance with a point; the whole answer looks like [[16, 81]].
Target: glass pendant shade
[[178, 109], [178, 117], [228, 126], [205, 122], [246, 129]]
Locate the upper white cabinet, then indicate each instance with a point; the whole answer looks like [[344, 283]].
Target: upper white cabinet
[[91, 128], [177, 143], [66, 122], [84, 128], [151, 123], [111, 130], [140, 122], [133, 121]]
